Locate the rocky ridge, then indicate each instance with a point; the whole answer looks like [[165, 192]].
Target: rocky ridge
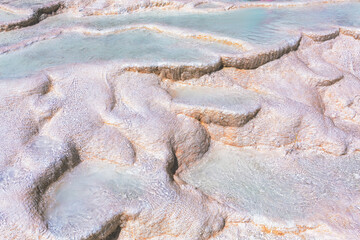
[[131, 135]]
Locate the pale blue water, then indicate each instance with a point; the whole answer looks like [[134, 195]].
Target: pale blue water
[[255, 25], [271, 185], [138, 45], [262, 26]]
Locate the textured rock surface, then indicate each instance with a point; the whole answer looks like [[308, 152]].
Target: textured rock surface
[[250, 143]]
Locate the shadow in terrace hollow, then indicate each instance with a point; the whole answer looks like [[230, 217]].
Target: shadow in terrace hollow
[[114, 235]]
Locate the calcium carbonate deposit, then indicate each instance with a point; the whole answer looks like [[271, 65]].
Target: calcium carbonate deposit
[[179, 119]]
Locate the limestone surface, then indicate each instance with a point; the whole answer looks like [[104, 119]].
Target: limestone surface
[[147, 120]]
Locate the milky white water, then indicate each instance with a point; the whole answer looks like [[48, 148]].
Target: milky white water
[[272, 185]]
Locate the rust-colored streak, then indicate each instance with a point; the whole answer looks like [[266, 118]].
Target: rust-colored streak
[[299, 229]]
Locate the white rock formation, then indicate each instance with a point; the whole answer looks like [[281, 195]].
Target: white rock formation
[[262, 144]]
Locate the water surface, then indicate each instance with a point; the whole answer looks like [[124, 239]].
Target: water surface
[[258, 25], [138, 46], [271, 185], [89, 196]]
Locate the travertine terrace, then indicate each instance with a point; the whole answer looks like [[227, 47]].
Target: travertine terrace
[[179, 119]]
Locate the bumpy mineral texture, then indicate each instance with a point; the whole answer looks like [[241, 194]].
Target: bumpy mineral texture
[[219, 139]]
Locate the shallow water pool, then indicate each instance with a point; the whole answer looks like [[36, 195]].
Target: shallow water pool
[[139, 46], [271, 185], [89, 196], [259, 25]]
